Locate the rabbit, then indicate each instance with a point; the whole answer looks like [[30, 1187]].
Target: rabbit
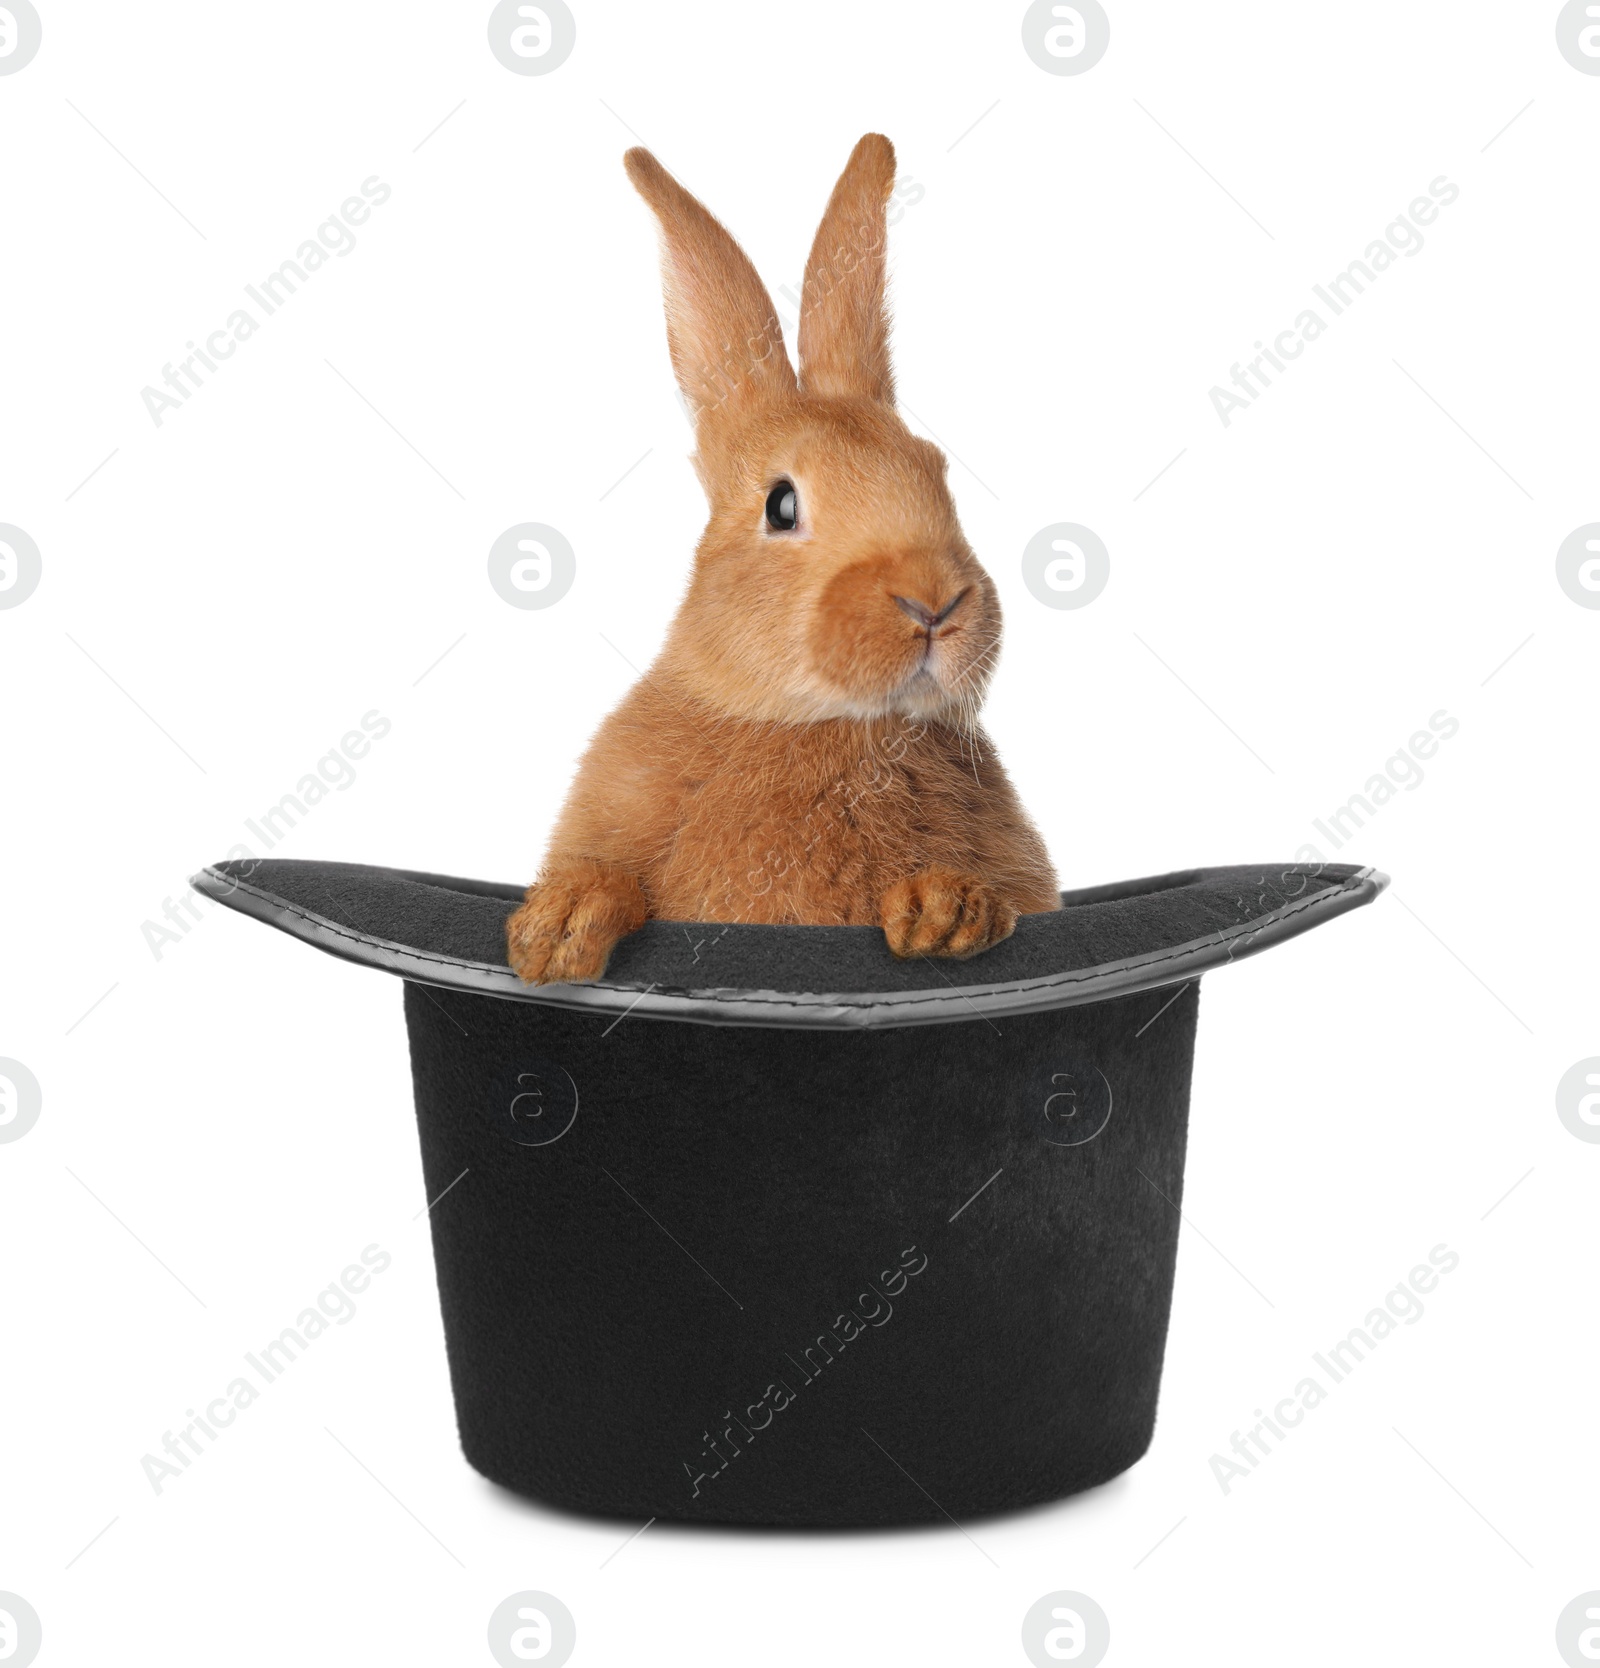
[[805, 748]]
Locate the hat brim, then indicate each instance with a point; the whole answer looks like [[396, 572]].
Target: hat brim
[[1104, 941]]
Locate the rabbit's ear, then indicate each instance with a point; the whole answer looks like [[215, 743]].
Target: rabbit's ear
[[844, 319], [722, 329]]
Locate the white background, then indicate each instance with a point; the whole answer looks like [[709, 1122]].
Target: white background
[[275, 560]]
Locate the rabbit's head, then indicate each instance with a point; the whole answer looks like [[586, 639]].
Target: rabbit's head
[[833, 580]]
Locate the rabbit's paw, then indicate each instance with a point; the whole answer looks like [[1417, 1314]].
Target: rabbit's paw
[[942, 912], [570, 920]]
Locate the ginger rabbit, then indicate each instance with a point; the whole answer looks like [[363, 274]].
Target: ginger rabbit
[[805, 747]]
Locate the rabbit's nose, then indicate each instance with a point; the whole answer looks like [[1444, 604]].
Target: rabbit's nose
[[930, 619]]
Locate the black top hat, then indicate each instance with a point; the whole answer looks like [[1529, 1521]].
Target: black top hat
[[766, 1226]]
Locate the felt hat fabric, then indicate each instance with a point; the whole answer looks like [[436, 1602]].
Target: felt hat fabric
[[768, 1227]]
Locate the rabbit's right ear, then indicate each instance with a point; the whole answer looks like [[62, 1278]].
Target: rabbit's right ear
[[844, 320], [722, 329]]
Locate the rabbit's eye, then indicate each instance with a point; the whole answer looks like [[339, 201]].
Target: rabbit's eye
[[783, 508]]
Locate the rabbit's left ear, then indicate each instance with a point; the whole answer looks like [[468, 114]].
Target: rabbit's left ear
[[844, 319]]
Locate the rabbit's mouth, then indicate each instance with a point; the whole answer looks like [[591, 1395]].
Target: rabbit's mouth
[[940, 683], [942, 678]]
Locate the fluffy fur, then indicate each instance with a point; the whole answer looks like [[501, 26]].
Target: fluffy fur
[[806, 746]]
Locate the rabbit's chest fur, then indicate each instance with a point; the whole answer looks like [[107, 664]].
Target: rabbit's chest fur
[[811, 824]]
